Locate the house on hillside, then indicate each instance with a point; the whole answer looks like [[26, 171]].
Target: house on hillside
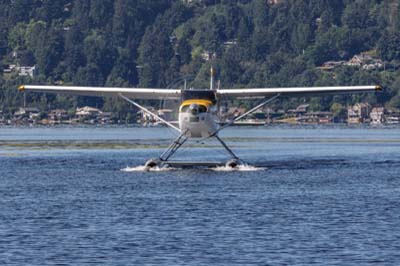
[[329, 65], [230, 43], [87, 111], [31, 112], [365, 61], [207, 55], [274, 2], [300, 110], [234, 112], [393, 117], [87, 114], [357, 113], [21, 70], [105, 118], [167, 114], [189, 2], [144, 118], [57, 115], [316, 118], [377, 115]]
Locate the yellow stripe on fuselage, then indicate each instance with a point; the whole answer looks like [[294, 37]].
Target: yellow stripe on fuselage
[[206, 103]]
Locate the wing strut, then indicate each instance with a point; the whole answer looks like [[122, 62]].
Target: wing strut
[[149, 113], [227, 148], [245, 114]]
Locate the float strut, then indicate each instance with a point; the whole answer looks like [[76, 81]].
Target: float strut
[[178, 142]]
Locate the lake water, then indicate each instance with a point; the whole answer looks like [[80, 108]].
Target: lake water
[[323, 196]]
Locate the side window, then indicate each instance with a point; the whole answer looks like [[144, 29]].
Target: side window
[[185, 109]]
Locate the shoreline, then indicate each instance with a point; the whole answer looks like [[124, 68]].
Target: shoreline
[[236, 125]]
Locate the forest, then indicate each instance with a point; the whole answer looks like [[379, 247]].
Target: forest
[[249, 43]]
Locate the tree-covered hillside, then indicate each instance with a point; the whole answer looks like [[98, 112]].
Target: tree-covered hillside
[[250, 43]]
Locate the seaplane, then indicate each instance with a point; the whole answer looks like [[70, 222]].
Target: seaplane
[[198, 110]]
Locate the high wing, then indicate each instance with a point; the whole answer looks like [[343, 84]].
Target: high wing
[[136, 93], [299, 91], [156, 93]]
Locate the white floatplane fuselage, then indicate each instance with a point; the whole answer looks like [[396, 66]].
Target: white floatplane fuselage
[[198, 118]]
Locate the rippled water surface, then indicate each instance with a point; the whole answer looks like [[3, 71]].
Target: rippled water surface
[[324, 196]]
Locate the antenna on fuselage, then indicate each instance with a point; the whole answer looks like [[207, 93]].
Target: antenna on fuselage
[[212, 78]]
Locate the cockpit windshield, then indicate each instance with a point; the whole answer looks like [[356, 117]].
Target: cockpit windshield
[[200, 109]]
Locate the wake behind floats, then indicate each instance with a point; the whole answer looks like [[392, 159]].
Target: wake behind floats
[[198, 110]]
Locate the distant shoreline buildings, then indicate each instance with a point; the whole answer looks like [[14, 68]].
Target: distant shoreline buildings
[[360, 113]]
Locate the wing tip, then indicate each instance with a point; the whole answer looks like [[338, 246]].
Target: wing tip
[[378, 88], [21, 88]]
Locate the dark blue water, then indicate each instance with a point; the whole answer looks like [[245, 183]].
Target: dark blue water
[[327, 196]]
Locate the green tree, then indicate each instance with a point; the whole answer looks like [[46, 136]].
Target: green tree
[[338, 111], [16, 37], [124, 71], [99, 52], [51, 9], [388, 46], [74, 51], [230, 68], [101, 13], [81, 15], [50, 52], [155, 53]]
